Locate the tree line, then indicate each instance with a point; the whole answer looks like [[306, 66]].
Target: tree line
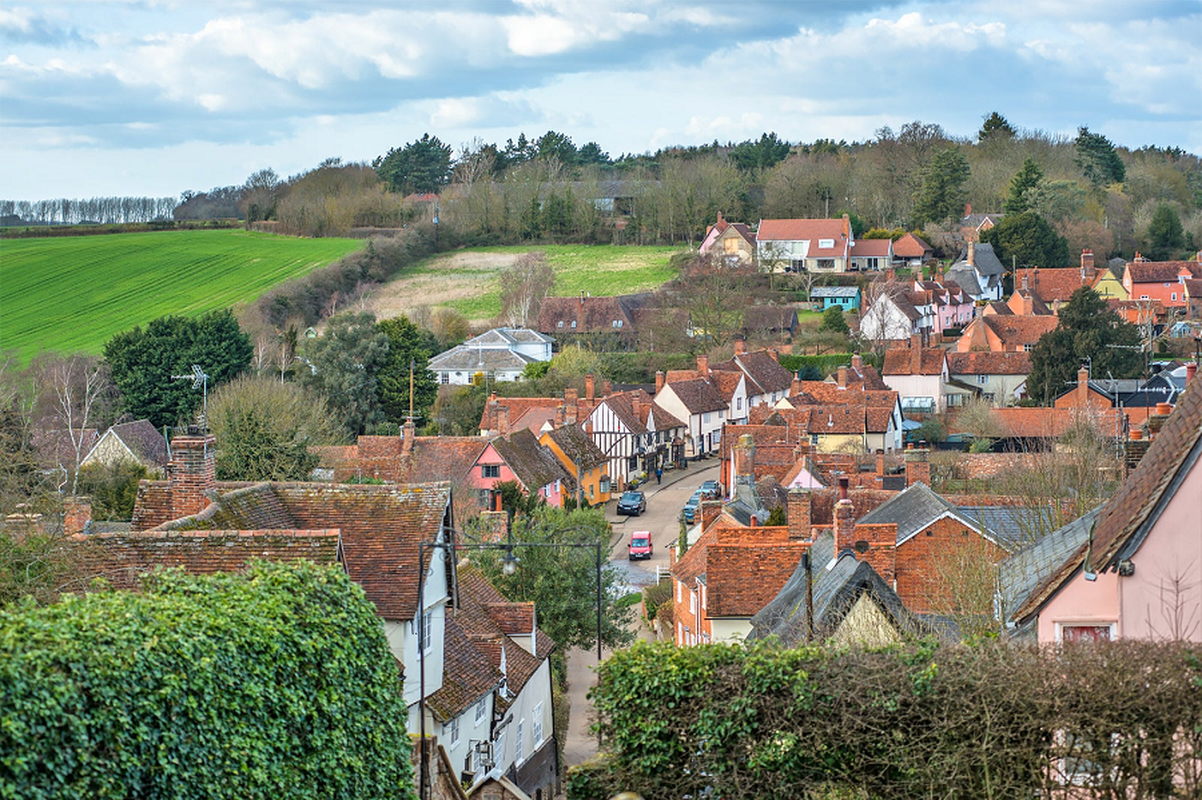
[[103, 210]]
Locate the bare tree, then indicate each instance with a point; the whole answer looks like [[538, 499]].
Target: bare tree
[[524, 286], [967, 577], [714, 293], [76, 390]]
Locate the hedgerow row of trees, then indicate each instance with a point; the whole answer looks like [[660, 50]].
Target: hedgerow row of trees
[[106, 210]]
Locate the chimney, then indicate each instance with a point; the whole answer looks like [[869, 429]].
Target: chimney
[[846, 226], [915, 341], [754, 522], [890, 275], [703, 366], [1083, 387], [719, 216], [775, 355], [582, 298], [972, 253], [659, 380], [1026, 279], [77, 513], [1191, 370], [740, 345], [968, 209], [1086, 264], [798, 515], [191, 473], [588, 387], [795, 389], [710, 509], [880, 463], [745, 471], [607, 388], [570, 398], [857, 363], [841, 376], [1164, 409], [844, 516], [918, 467], [408, 434], [842, 482], [503, 420], [639, 408]]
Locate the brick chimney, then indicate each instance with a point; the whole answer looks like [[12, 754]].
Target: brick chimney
[[968, 209], [503, 420], [744, 454], [972, 253], [1083, 387], [918, 467], [408, 434], [846, 226], [1087, 268], [841, 376], [710, 509], [589, 384], [77, 513], [1191, 370], [915, 341], [844, 516], [857, 363], [659, 380], [570, 398], [719, 216], [639, 408], [740, 345], [795, 388], [880, 464], [606, 388], [191, 473], [797, 514], [1026, 279], [703, 366]]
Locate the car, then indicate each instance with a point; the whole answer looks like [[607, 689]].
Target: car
[[632, 503], [640, 545], [690, 507], [710, 489]]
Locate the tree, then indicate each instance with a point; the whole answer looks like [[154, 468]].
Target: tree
[[420, 166], [1087, 331], [762, 155], [1165, 235], [344, 363], [832, 320], [591, 153], [113, 488], [523, 288], [265, 429], [941, 196], [1097, 159], [76, 391], [558, 146], [1022, 185], [449, 327], [714, 292], [1028, 240], [143, 362], [260, 194], [995, 125], [458, 410], [562, 581], [409, 349]]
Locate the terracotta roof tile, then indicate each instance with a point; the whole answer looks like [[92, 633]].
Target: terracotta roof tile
[[1162, 271], [698, 396], [1017, 331], [743, 578], [1050, 285], [911, 246], [913, 361], [989, 363], [468, 674]]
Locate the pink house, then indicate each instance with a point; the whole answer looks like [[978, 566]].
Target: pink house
[[1133, 568], [519, 457]]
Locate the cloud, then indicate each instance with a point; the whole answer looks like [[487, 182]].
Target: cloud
[[23, 26]]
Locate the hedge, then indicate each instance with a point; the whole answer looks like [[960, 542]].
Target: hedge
[[990, 720], [273, 683], [825, 364]]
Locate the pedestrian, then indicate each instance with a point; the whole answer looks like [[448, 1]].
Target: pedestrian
[[659, 475]]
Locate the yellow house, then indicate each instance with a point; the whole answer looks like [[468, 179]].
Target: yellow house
[[1109, 287], [581, 457]]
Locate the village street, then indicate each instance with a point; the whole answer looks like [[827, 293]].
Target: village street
[[662, 518]]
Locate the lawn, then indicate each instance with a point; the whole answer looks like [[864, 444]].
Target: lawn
[[469, 280], [73, 293]]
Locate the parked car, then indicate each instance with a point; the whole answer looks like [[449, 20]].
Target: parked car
[[690, 507], [640, 545], [632, 503], [711, 490]]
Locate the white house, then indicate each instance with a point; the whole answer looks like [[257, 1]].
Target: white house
[[919, 375], [501, 353], [892, 316], [701, 407], [766, 380], [814, 245]]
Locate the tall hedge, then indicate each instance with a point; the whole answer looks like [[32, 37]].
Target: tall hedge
[[273, 683]]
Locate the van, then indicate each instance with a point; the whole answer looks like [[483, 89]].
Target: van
[[640, 545]]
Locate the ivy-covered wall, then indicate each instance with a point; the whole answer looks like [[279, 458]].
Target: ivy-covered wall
[[273, 683]]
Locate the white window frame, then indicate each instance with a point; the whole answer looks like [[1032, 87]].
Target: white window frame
[[519, 752], [427, 632], [450, 731], [537, 728], [692, 602], [481, 709]]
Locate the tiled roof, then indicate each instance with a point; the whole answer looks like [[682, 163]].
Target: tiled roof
[[869, 248], [813, 230], [517, 407], [1018, 330], [1193, 288], [984, 260], [489, 618], [122, 557], [764, 373], [1050, 285], [1045, 423], [591, 314], [662, 420], [578, 447], [1038, 307], [911, 246], [769, 318], [144, 440], [988, 363], [467, 674], [697, 395], [999, 308], [442, 458], [824, 392], [1162, 271], [622, 406], [761, 436], [913, 361], [533, 464], [727, 383], [479, 359], [54, 446], [742, 578]]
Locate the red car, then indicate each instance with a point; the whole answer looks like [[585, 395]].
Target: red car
[[640, 545]]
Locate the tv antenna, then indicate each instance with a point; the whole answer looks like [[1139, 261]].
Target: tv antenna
[[199, 381]]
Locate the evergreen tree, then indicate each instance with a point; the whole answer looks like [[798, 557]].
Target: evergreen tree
[[1021, 187], [420, 166], [832, 320], [345, 363], [763, 154], [995, 125], [1165, 235], [407, 345], [1097, 159], [1029, 240], [942, 193]]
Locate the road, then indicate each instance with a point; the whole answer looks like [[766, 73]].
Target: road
[[662, 519]]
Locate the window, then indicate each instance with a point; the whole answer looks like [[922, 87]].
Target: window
[[559, 324], [825, 263], [573, 323], [518, 753], [428, 630], [1143, 297], [633, 462], [490, 471], [722, 414], [982, 379], [692, 602], [1085, 632], [444, 377], [1028, 348], [450, 731], [481, 709], [705, 417], [738, 404], [678, 585], [538, 725], [826, 244], [1174, 295]]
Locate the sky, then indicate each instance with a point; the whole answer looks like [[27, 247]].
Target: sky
[[155, 97]]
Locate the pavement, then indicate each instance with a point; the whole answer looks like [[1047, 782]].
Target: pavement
[[664, 502]]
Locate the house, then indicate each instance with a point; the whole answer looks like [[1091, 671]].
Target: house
[[582, 458], [700, 404], [842, 415], [973, 225], [1138, 398], [1109, 285], [1001, 378], [1161, 281], [918, 374], [138, 442], [912, 251], [501, 353], [1193, 298], [766, 381], [979, 272], [766, 322], [407, 458], [871, 255], [612, 317], [729, 240], [1054, 287], [844, 297], [1133, 572], [635, 433], [892, 316], [953, 307], [813, 245], [1005, 333], [519, 457]]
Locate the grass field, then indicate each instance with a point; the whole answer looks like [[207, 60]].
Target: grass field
[[73, 293], [469, 280]]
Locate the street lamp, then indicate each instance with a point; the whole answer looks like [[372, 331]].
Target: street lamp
[[509, 565]]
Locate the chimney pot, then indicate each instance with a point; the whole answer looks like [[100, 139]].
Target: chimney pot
[[841, 374], [1164, 409], [703, 365], [589, 384], [1191, 370], [659, 380]]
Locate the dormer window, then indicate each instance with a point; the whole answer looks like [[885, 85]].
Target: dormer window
[[573, 323], [559, 324], [826, 243]]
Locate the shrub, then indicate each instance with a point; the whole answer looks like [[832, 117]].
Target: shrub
[[273, 683]]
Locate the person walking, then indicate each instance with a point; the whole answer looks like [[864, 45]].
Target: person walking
[[659, 475]]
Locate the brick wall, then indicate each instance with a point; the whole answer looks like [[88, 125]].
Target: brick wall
[[923, 569], [971, 466]]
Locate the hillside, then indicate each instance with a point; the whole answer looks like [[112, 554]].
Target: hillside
[[469, 280], [74, 293]]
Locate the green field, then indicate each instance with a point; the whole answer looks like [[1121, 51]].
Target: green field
[[73, 293], [470, 280]]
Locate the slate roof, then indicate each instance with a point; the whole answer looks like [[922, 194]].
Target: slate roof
[[578, 446], [770, 319], [534, 465], [1024, 577], [988, 363], [985, 260], [463, 358], [143, 440], [504, 337], [1011, 526], [820, 292], [122, 557], [835, 591], [54, 446], [914, 361], [963, 275], [915, 508], [468, 674], [697, 395]]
